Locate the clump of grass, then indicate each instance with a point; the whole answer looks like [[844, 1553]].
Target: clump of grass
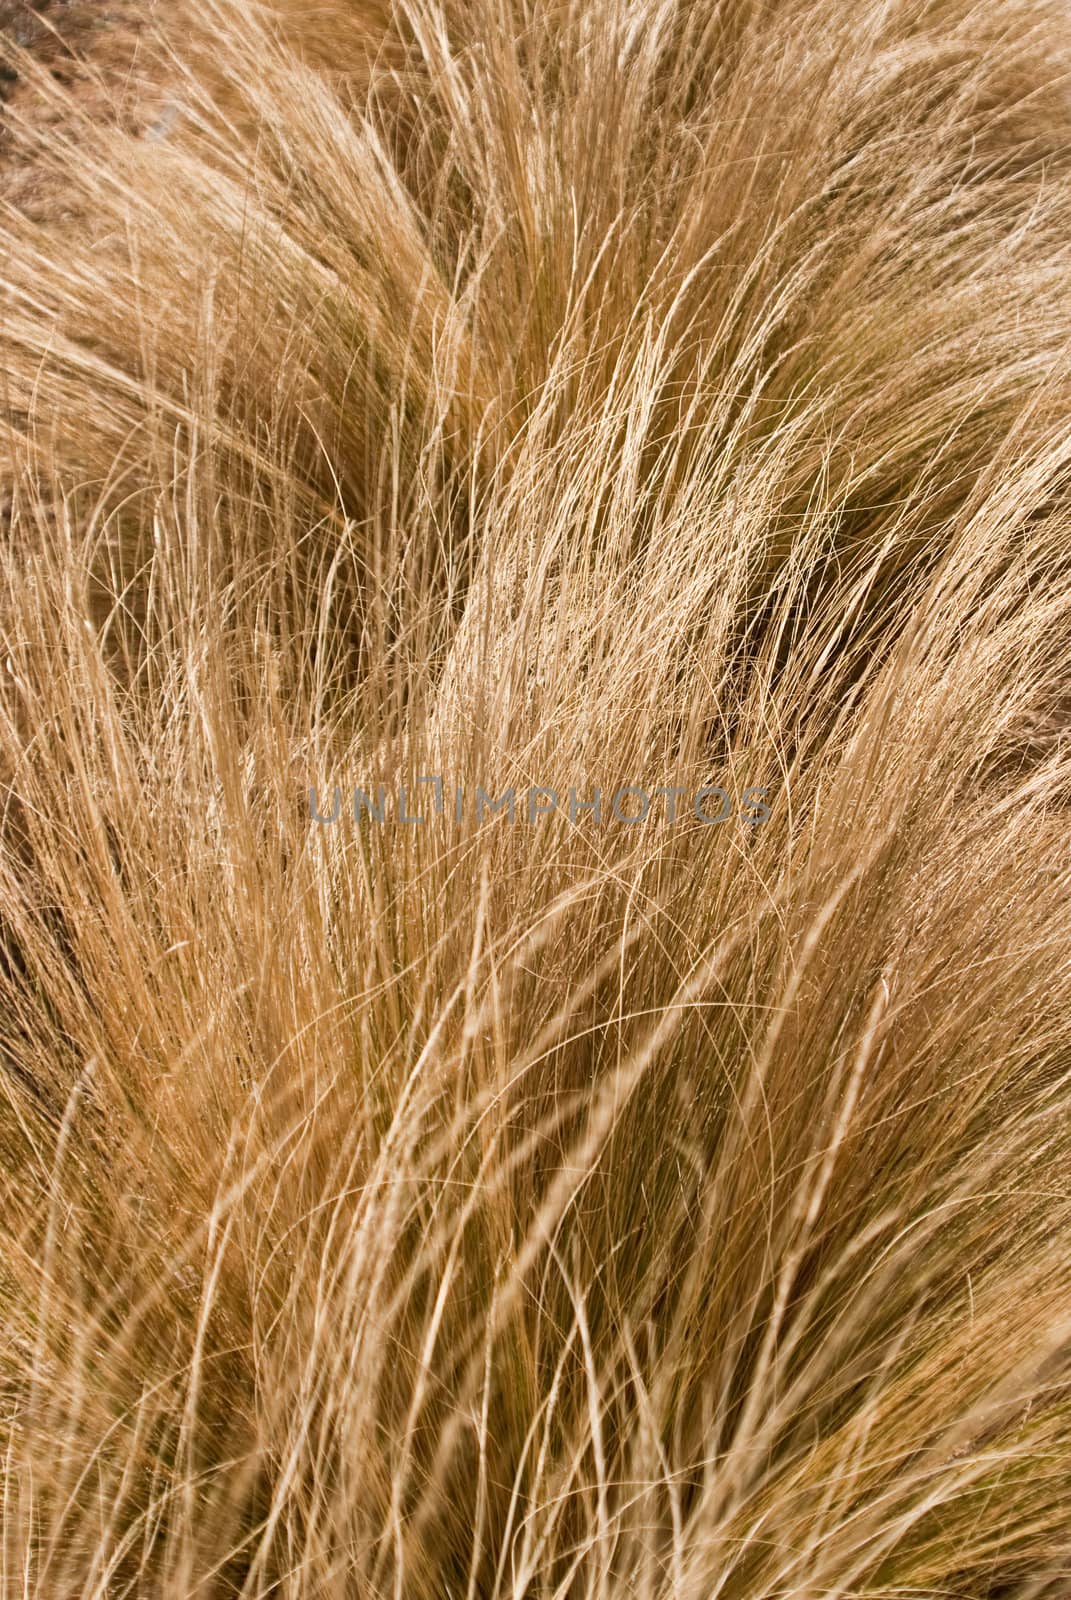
[[583, 395]]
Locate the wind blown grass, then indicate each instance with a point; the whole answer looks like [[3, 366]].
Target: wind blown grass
[[587, 394]]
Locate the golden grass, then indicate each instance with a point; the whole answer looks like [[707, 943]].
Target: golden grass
[[581, 394]]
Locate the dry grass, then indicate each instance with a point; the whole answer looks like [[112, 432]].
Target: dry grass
[[593, 393]]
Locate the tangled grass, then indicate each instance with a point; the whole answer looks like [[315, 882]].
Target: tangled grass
[[666, 393]]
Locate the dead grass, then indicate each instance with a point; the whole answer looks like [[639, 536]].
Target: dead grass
[[585, 394]]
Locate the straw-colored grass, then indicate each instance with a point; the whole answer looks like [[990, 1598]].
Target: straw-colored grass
[[599, 393]]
